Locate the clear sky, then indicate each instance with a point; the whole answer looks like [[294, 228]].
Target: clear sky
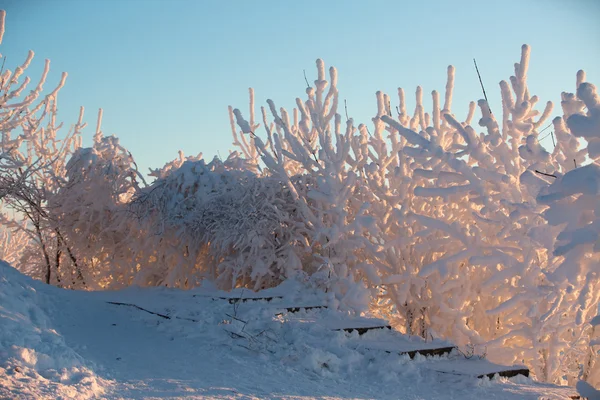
[[165, 71]]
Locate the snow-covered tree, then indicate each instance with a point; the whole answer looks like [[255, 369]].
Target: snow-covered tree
[[34, 159], [32, 184], [34, 151], [22, 120]]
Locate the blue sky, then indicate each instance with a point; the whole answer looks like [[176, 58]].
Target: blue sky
[[165, 71]]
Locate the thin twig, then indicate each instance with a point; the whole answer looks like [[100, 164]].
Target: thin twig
[[236, 318], [346, 108], [482, 87], [236, 305], [465, 355], [548, 126], [543, 173], [139, 308], [235, 335], [150, 312], [551, 132], [2, 70], [306, 80]]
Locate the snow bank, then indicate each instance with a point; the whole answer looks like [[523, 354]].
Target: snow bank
[[35, 361], [200, 344]]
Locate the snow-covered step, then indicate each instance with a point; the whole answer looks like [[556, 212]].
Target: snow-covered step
[[295, 309], [242, 299], [291, 292], [476, 367], [233, 300], [403, 344], [281, 309], [358, 324]]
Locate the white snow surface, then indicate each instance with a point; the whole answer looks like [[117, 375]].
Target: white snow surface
[[59, 344]]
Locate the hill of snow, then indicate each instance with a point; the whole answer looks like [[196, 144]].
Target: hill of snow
[[67, 344]]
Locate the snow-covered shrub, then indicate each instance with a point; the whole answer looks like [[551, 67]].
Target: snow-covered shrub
[[12, 242], [311, 156], [91, 210], [591, 366], [442, 222], [480, 244], [253, 230], [220, 221], [573, 201]]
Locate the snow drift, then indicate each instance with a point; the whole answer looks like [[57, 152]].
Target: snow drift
[[193, 344], [31, 350]]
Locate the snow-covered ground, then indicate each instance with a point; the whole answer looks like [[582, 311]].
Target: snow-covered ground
[[66, 344]]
